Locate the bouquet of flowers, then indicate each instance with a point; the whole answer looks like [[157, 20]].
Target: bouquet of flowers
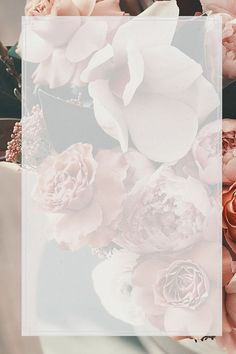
[[140, 184]]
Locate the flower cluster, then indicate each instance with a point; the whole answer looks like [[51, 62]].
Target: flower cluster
[[13, 153], [154, 218]]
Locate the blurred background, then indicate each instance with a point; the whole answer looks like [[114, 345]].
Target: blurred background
[[10, 20], [11, 341]]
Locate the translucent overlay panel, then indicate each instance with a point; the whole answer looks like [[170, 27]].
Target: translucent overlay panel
[[121, 186]]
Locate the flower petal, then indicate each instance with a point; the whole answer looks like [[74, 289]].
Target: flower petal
[[108, 112], [85, 7], [163, 129], [107, 8], [138, 30], [201, 97], [88, 39], [49, 72], [168, 70], [98, 65], [136, 73], [73, 229]]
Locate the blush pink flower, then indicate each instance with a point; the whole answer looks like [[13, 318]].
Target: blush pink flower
[[229, 151], [175, 294], [72, 8], [96, 223], [163, 213], [66, 180], [61, 47]]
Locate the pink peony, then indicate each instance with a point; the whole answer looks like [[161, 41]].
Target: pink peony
[[72, 8], [163, 213], [229, 150], [66, 180]]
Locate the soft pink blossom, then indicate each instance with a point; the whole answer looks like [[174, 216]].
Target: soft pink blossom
[[163, 213], [175, 294], [66, 180], [96, 224]]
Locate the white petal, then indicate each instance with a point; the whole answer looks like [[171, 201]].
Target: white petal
[[56, 71], [98, 65], [108, 112], [149, 32], [88, 39], [202, 97], [162, 9], [33, 48], [168, 71], [136, 73], [163, 129]]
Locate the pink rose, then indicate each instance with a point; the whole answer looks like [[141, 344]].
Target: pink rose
[[207, 154], [72, 8], [66, 180], [176, 294], [191, 294], [163, 213], [229, 150]]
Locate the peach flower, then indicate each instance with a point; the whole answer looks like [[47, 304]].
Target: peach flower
[[229, 215], [229, 151], [72, 8]]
